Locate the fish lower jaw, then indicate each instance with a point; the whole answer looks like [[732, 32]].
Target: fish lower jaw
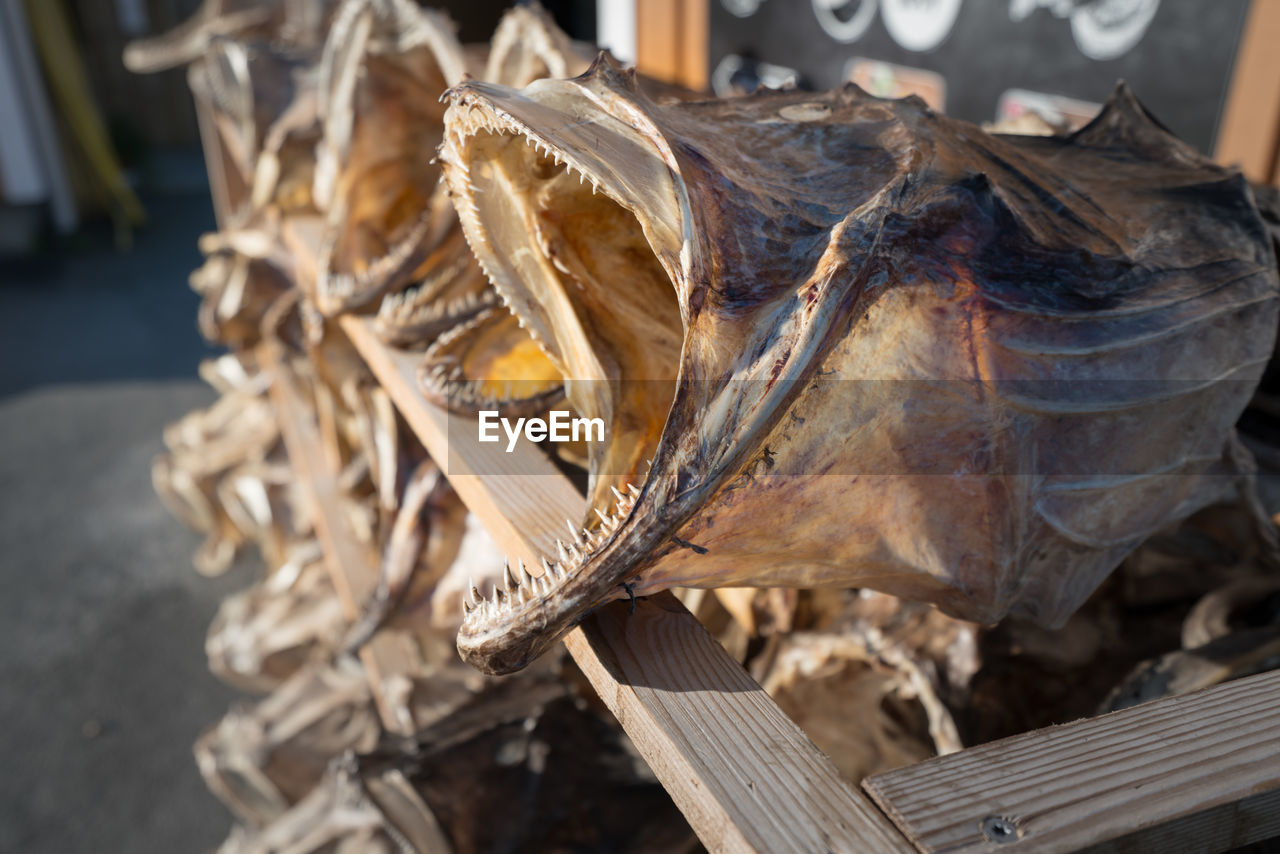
[[526, 612]]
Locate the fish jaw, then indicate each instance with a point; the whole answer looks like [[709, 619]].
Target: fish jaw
[[677, 430]]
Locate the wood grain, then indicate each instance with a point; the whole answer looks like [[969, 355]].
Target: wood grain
[[214, 159], [1249, 133], [1198, 773], [744, 775], [695, 32], [741, 771], [671, 41]]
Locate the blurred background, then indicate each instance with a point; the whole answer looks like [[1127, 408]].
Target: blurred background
[[103, 194]]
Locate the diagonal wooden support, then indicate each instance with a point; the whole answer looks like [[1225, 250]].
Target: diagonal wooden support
[[744, 775]]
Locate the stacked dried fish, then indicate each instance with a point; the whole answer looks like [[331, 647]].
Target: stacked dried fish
[[225, 473], [848, 351], [331, 112]]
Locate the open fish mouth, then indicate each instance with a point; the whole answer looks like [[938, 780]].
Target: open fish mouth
[[837, 340], [554, 228], [489, 363], [381, 75], [451, 290], [548, 228]]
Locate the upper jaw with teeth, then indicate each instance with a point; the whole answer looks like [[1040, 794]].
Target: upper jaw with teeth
[[863, 344]]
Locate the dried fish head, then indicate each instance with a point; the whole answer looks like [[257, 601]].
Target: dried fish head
[[861, 343], [384, 68], [448, 288]]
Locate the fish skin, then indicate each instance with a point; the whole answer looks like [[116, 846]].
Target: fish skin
[[966, 369]]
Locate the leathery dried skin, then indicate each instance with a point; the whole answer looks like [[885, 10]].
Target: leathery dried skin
[[860, 343]]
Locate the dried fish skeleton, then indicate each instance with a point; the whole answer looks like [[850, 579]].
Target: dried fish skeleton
[[528, 750], [263, 109], [846, 341], [221, 471], [261, 759], [299, 23], [263, 635]]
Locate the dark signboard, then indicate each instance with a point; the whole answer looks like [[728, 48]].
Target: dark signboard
[[1177, 55]]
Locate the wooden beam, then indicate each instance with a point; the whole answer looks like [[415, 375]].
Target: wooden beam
[[695, 31], [1197, 773], [522, 498], [354, 576], [671, 41], [744, 775], [215, 159], [1249, 133]]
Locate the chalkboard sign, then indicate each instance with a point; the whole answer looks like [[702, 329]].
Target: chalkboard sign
[[976, 58]]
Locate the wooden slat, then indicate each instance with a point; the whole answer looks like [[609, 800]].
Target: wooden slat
[[695, 30], [524, 516], [745, 776], [671, 41], [354, 578], [1249, 133], [214, 159], [658, 39], [1196, 773]]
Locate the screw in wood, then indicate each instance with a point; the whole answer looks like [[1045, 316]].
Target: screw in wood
[[998, 829]]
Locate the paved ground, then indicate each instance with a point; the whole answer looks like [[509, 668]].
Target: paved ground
[[102, 618]]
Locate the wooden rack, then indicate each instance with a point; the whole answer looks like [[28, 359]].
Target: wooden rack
[[1197, 773]]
